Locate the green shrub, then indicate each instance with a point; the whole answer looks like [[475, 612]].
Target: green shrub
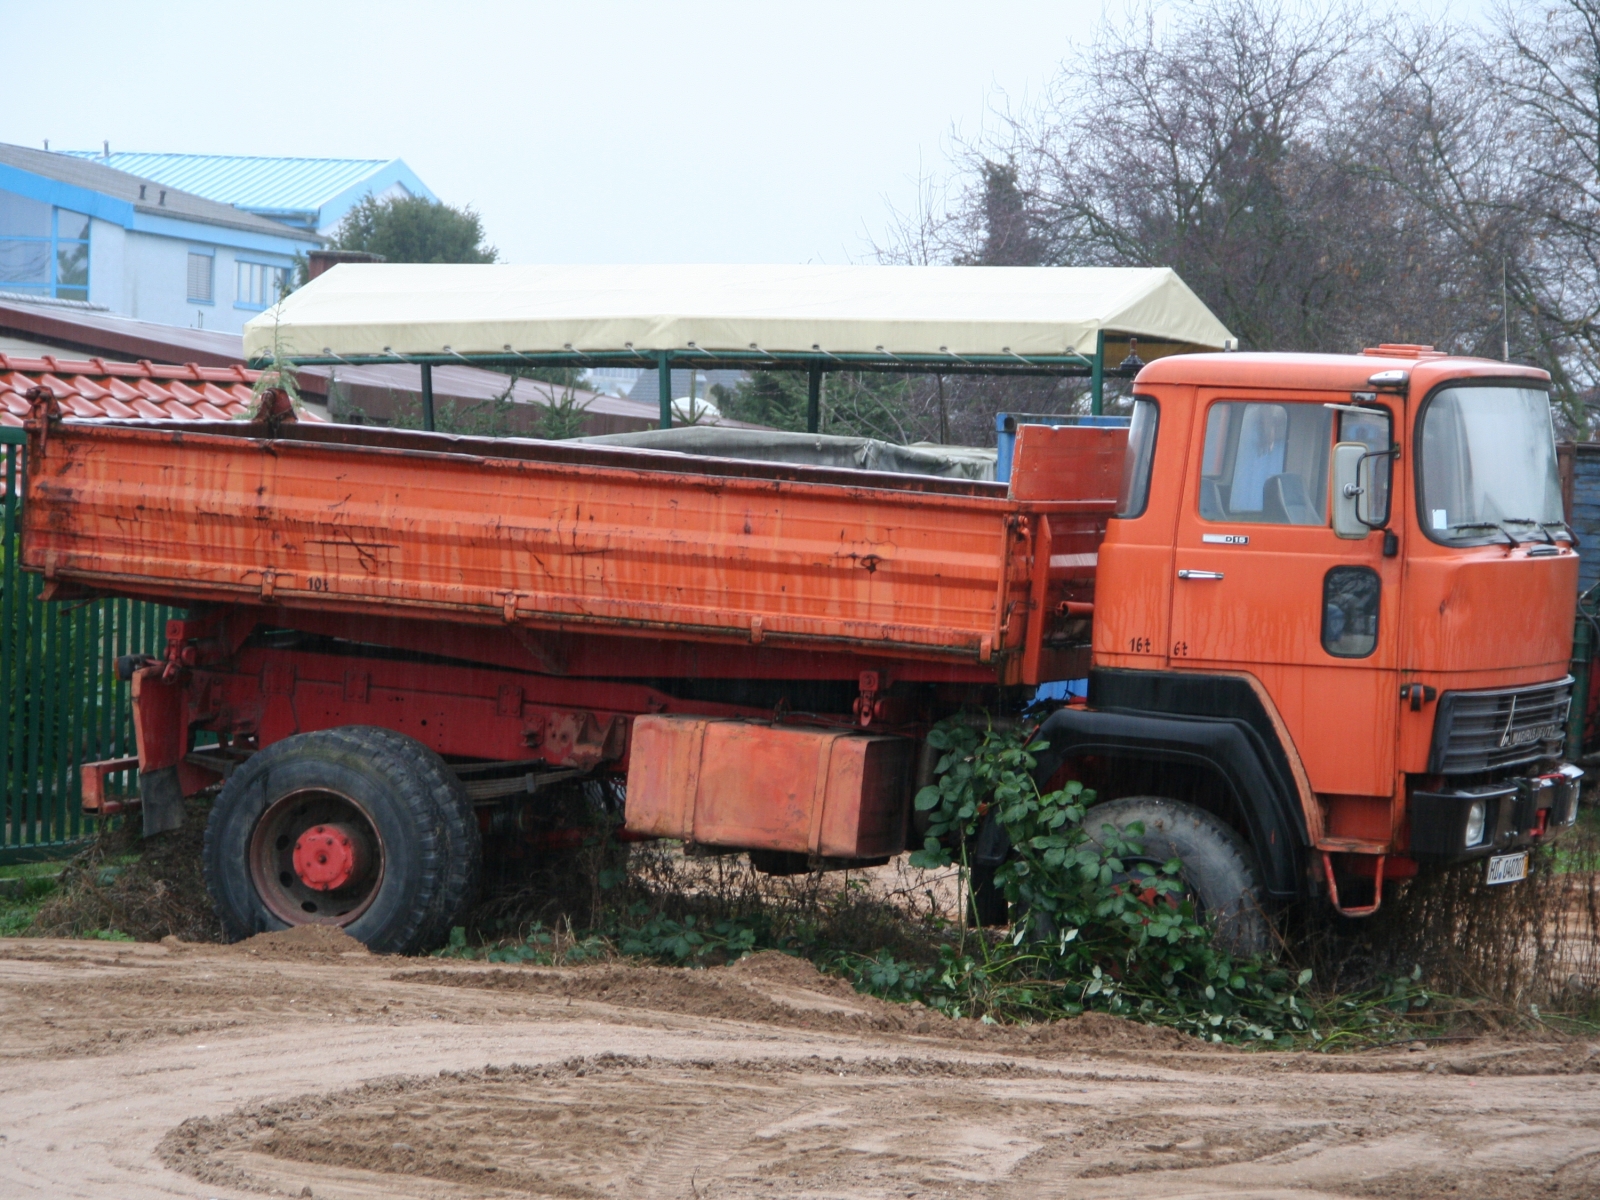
[[1095, 928]]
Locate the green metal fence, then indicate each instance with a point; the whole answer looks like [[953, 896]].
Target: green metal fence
[[61, 702]]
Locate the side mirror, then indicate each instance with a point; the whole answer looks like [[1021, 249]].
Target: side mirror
[[1349, 489], [1360, 489], [1372, 503]]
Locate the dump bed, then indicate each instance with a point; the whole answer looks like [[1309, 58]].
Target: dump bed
[[556, 535]]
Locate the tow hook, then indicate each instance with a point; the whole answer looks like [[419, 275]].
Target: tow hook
[[866, 703], [1418, 694]]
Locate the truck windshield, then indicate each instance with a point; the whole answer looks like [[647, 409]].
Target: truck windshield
[[1488, 466]]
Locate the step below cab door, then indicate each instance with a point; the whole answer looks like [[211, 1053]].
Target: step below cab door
[[1262, 584]]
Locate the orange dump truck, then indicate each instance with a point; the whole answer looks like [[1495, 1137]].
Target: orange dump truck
[[1324, 606]]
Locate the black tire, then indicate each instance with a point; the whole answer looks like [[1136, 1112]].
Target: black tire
[[463, 839], [1219, 870], [414, 854]]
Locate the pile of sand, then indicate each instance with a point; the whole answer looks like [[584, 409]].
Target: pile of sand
[[302, 943]]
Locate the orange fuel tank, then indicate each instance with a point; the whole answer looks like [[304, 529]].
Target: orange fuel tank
[[820, 792]]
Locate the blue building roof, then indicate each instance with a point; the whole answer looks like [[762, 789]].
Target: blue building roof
[[313, 193]]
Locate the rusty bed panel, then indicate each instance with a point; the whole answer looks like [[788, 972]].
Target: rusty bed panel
[[593, 540]]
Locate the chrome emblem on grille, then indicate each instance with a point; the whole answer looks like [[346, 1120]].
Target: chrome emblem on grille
[[1534, 733]]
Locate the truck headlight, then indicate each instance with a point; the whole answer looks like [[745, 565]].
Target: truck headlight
[[1475, 819]]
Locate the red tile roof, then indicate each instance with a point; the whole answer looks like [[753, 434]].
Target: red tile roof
[[95, 388]]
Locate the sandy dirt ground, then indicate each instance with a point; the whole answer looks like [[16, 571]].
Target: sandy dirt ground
[[301, 1067]]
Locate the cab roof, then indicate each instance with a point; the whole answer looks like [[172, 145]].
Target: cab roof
[[1328, 372]]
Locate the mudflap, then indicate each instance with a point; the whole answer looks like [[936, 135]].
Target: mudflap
[[162, 734], [161, 800]]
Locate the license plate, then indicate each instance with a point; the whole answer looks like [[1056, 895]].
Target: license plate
[[1508, 868]]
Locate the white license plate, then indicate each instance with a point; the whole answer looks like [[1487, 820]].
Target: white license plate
[[1508, 868]]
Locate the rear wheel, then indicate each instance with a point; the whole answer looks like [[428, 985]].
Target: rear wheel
[[359, 828]]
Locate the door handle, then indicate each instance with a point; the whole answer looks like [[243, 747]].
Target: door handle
[[1186, 574]]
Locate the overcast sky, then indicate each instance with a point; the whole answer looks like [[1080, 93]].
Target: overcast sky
[[582, 131]]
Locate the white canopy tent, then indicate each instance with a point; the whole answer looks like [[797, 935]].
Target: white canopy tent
[[1051, 320]]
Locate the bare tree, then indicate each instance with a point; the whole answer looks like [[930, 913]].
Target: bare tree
[[1323, 179], [1550, 74]]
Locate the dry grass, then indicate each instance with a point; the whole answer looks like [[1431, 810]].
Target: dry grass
[[605, 887], [144, 888], [1511, 946]]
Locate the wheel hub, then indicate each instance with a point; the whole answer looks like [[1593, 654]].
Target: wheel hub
[[326, 857], [316, 856]]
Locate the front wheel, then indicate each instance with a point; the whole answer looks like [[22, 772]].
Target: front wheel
[[359, 828], [1219, 871]]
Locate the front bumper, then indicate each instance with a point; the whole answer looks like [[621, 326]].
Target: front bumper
[[1471, 822]]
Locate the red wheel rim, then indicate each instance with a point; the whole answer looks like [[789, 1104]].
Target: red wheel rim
[[340, 858]]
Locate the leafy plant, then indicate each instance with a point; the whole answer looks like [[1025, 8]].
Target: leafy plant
[[279, 372], [564, 416], [692, 941], [1095, 927]]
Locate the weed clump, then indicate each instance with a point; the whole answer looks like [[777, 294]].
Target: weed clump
[[143, 889], [1491, 955]]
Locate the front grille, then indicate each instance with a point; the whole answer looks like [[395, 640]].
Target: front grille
[[1485, 731]]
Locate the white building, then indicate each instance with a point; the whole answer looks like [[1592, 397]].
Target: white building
[[76, 229]]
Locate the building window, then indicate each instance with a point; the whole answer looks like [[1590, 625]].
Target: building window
[[43, 250], [200, 278], [260, 285]]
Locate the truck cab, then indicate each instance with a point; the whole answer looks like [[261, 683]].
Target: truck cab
[[1335, 610]]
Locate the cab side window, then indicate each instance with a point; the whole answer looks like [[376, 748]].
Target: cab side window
[[1266, 463]]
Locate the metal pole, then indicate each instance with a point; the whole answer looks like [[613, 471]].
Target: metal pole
[[1097, 377], [814, 400], [427, 396], [664, 386]]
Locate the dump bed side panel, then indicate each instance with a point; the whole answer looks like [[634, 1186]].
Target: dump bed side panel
[[471, 538]]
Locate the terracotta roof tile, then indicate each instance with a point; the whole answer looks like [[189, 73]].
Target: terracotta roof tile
[[89, 389], [126, 391], [60, 387], [122, 391], [74, 405]]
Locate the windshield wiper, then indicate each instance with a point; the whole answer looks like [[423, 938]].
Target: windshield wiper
[[1539, 525], [1544, 528], [1564, 527], [1511, 538]]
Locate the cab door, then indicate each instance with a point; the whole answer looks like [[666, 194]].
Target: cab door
[[1263, 585]]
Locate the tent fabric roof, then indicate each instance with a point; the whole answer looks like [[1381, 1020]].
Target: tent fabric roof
[[357, 309]]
